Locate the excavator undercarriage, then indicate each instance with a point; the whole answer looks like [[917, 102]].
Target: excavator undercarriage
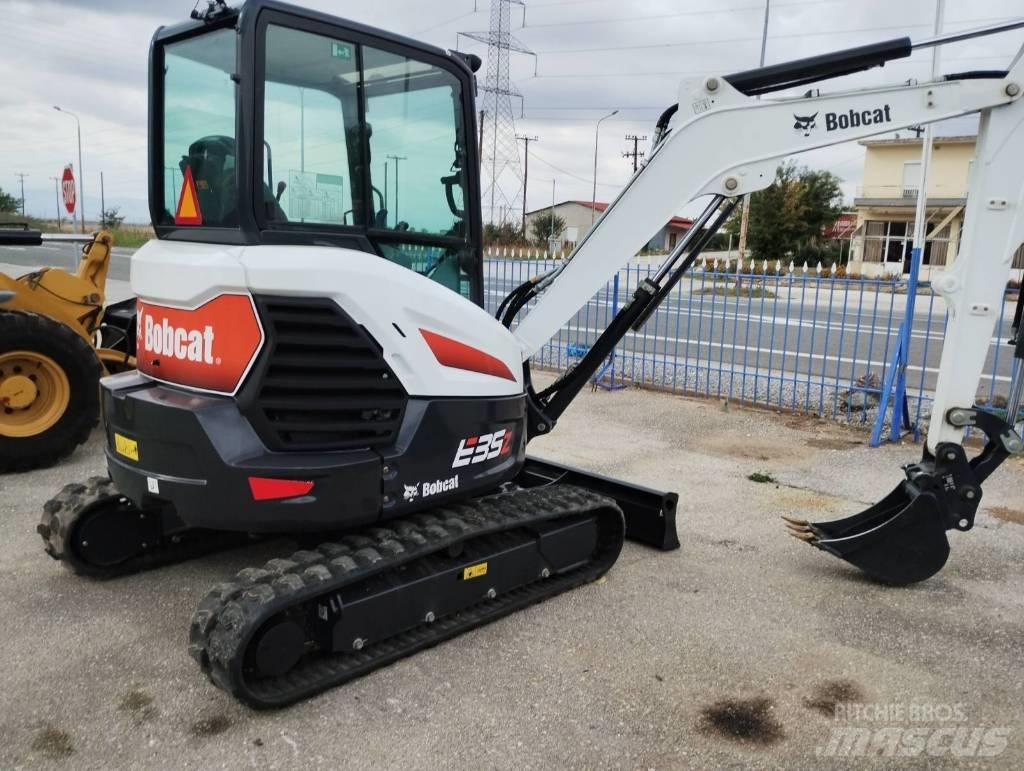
[[313, 364]]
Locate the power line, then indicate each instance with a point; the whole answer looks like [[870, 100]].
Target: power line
[[539, 157], [826, 33], [698, 73], [444, 23], [621, 19]]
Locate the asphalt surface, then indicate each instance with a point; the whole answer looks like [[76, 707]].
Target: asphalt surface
[[63, 255], [744, 632]]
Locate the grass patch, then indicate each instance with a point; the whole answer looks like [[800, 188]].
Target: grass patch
[[760, 478], [132, 236]]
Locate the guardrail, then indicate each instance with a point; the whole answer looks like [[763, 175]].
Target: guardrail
[[800, 339]]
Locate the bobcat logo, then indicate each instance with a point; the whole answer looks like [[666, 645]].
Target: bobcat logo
[[805, 124], [411, 491]]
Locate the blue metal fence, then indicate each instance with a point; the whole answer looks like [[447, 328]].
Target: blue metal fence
[[807, 340]]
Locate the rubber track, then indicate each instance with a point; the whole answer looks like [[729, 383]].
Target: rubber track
[[227, 619], [62, 513]]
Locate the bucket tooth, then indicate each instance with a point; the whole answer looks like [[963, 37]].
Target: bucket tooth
[[807, 537]]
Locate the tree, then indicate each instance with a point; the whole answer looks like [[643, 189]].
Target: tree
[[112, 218], [8, 203], [790, 215], [504, 234], [547, 225]]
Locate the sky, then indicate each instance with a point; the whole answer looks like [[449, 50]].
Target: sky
[[592, 57]]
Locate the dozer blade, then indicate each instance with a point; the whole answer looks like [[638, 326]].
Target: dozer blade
[[900, 540]]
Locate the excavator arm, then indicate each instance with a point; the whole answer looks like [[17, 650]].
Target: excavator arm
[[722, 141]]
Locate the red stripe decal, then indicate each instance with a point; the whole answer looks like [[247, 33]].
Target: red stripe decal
[[452, 353], [264, 489]]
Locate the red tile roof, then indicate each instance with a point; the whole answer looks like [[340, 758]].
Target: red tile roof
[[678, 222]]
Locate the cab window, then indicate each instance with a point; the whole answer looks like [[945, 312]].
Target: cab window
[[199, 127], [311, 141], [413, 115]]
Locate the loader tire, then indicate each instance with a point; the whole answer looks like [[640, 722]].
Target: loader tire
[[49, 390]]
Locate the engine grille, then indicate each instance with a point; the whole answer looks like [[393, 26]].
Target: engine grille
[[323, 383]]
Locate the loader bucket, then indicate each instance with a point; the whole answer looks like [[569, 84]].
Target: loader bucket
[[900, 540]]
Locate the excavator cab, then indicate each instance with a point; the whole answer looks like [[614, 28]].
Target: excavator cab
[[295, 129]]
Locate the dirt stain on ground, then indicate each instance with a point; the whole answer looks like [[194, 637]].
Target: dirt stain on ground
[[728, 543], [139, 705], [751, 449], [53, 743], [746, 720], [800, 501], [211, 726], [826, 443], [829, 694], [1007, 515]]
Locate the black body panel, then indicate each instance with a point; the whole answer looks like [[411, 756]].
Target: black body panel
[[197, 452]]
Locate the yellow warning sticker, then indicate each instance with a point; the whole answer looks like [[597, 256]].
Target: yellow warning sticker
[[474, 571], [129, 448]]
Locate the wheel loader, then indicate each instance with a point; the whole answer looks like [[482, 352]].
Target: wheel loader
[[51, 355], [314, 363]]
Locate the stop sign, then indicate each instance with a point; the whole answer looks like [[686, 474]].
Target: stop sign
[[67, 185]]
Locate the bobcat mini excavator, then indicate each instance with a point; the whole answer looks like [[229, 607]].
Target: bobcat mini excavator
[[313, 360]]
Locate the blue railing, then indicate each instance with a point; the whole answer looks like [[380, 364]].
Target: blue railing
[[806, 340]]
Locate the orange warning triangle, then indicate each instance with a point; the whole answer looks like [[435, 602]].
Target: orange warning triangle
[[188, 202]]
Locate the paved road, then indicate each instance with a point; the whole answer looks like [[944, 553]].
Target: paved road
[[820, 337], [63, 256]]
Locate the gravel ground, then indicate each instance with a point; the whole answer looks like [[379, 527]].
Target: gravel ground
[[744, 649]]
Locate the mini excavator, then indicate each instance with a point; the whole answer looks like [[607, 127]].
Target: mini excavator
[[314, 360]]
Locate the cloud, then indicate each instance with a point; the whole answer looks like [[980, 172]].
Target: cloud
[[90, 56]]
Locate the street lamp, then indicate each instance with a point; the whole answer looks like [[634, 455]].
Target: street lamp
[[593, 198], [81, 173]]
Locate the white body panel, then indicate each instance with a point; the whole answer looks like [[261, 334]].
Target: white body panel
[[974, 287], [376, 293]]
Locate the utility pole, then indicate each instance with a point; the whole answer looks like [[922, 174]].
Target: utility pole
[[21, 177], [396, 159], [526, 171], [745, 219], [56, 190], [103, 204], [551, 234], [635, 153], [385, 189]]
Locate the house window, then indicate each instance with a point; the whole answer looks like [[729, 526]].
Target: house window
[[672, 240], [887, 241], [911, 178]]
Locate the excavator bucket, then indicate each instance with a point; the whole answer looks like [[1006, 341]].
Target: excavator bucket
[[902, 539]]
